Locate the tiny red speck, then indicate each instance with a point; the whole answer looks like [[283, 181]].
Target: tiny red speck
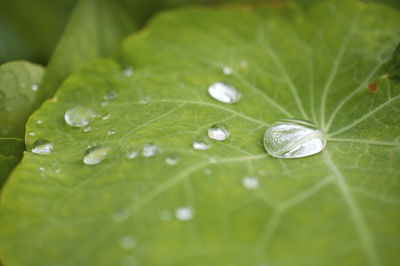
[[373, 87]]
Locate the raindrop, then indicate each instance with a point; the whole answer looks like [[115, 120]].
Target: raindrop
[[227, 70], [172, 160], [218, 132], [224, 93], [111, 131], [127, 242], [250, 182], [87, 129], [292, 138], [95, 155], [42, 146], [132, 154], [35, 87], [41, 168], [184, 213], [39, 122], [128, 71], [79, 116], [201, 143], [32, 134], [106, 116], [111, 95], [150, 150], [58, 171]]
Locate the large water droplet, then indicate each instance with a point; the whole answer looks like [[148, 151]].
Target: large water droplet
[[250, 182], [42, 146], [201, 143], [292, 138], [95, 155], [218, 132], [150, 150], [79, 116], [224, 93], [184, 213]]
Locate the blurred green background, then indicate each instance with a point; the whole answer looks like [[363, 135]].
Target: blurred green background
[[30, 30]]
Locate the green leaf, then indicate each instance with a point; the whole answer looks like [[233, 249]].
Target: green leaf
[[339, 207], [392, 67], [95, 30], [19, 85], [11, 150]]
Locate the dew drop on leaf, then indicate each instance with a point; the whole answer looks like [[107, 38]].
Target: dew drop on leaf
[[32, 134], [172, 160], [227, 70], [132, 154], [39, 122], [292, 138], [106, 116], [184, 213], [218, 132], [225, 93], [111, 131], [79, 116], [35, 87], [42, 146], [250, 182], [95, 155], [128, 71], [150, 150], [201, 143]]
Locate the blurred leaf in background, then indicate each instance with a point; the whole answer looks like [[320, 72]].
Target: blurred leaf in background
[[11, 150]]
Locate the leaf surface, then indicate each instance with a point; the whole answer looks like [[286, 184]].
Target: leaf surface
[[339, 207], [11, 150]]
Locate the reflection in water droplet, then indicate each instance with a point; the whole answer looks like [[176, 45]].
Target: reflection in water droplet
[[111, 131], [106, 116], [172, 160], [150, 150], [184, 213], [128, 71], [224, 93], [227, 70], [250, 182], [35, 87], [166, 215], [127, 242], [95, 155], [111, 95], [132, 154], [201, 143], [32, 134], [42, 146], [79, 116], [291, 138], [218, 132]]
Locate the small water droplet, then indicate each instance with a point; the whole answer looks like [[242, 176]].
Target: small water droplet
[[87, 129], [121, 215], [292, 138], [105, 103], [111, 131], [127, 242], [42, 146], [41, 168], [201, 143], [145, 100], [32, 134], [208, 171], [250, 182], [106, 116], [39, 122], [58, 171], [172, 160], [132, 154], [79, 116], [95, 155], [111, 95], [227, 70], [166, 215], [150, 150], [218, 132], [35, 87], [128, 71], [184, 213], [224, 93]]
